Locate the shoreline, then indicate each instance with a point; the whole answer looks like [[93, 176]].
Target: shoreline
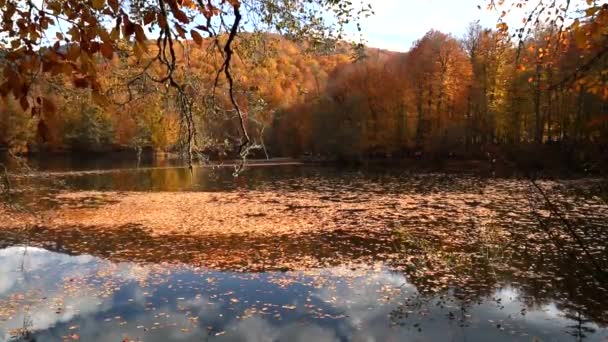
[[543, 165]]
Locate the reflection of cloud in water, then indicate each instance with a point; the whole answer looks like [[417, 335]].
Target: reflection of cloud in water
[[44, 271], [362, 296], [498, 318], [49, 283], [35, 259], [256, 329], [108, 302]]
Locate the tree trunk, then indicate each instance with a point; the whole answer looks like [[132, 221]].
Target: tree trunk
[[538, 121]]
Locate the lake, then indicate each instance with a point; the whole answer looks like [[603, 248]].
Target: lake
[[99, 250]]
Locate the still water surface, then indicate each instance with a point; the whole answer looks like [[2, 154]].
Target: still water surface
[[353, 255]]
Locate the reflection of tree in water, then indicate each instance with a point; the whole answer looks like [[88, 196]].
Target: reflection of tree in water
[[580, 330], [416, 307], [448, 273], [435, 272], [24, 334], [13, 202]]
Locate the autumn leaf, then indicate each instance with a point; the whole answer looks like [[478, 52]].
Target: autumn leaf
[[140, 36], [235, 3], [149, 17], [189, 4], [114, 5], [107, 50], [180, 15], [98, 4], [502, 27], [197, 37]]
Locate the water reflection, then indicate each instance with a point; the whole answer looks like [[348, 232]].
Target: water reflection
[[86, 298], [302, 253]]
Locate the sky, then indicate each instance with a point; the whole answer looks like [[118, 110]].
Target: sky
[[398, 23]]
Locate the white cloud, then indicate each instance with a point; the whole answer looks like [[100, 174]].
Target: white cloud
[[399, 23]]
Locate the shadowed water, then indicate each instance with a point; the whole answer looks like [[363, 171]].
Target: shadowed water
[[354, 255]]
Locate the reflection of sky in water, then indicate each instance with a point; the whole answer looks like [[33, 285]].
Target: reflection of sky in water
[[101, 301]]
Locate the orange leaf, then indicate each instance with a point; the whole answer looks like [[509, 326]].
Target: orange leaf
[[114, 5], [197, 37], [140, 36], [107, 50], [180, 15], [149, 17]]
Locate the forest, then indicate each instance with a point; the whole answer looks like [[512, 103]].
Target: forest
[[446, 97]]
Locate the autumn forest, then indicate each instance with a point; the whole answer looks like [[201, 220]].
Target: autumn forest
[[448, 96]]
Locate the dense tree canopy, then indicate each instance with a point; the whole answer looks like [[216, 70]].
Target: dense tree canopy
[[220, 74], [66, 38]]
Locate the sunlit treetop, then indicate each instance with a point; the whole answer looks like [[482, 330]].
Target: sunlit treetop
[[73, 32], [571, 24]]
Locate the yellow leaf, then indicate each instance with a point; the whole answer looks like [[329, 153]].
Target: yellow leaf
[[591, 11], [98, 4], [580, 37], [502, 27]]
